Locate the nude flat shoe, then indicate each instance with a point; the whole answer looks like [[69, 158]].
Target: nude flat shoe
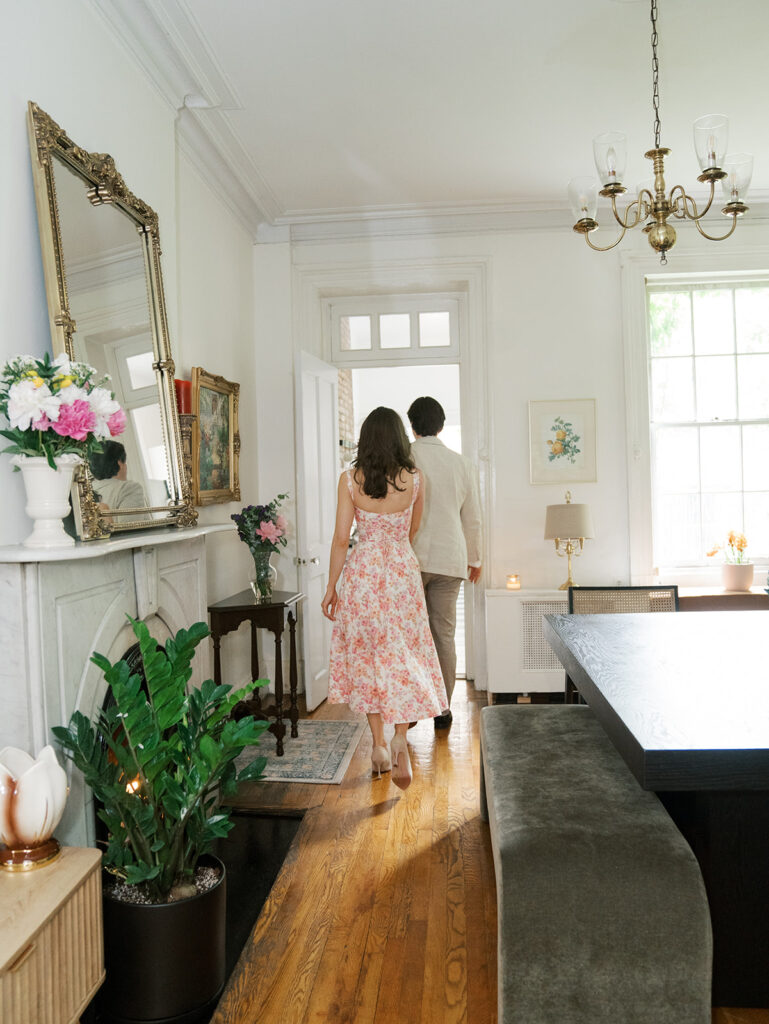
[[380, 761], [401, 765]]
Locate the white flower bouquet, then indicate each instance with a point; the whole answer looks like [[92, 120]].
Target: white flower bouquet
[[56, 407]]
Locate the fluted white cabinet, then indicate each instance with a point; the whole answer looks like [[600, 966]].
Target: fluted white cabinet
[[51, 951]]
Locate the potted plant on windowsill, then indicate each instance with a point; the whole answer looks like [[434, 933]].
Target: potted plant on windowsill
[[158, 761], [737, 570]]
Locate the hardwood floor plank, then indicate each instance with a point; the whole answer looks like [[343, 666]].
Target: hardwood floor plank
[[384, 911]]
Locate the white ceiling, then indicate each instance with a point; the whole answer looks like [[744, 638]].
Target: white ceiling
[[325, 109]]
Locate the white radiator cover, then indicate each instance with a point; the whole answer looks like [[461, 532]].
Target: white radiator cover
[[520, 660]]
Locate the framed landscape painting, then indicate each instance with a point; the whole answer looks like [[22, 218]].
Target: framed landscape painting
[[215, 438], [562, 441]]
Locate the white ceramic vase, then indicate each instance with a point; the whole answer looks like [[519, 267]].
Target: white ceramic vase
[[47, 498], [737, 575], [33, 792]]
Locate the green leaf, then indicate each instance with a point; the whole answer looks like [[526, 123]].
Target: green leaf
[[253, 770]]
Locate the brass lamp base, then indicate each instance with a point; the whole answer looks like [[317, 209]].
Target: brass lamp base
[[27, 858], [571, 549], [567, 584]]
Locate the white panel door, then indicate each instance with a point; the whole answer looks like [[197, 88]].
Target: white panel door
[[317, 475]]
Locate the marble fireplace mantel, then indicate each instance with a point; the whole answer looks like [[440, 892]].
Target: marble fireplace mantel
[[58, 606]]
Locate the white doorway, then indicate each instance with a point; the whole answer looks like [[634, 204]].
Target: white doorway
[[397, 387]]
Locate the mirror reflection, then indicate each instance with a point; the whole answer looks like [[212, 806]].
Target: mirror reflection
[[101, 259], [107, 289]]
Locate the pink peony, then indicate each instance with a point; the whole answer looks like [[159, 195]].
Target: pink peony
[[282, 524], [269, 531], [42, 424], [75, 421], [116, 423]]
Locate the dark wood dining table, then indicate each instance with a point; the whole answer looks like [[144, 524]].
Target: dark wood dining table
[[685, 700]]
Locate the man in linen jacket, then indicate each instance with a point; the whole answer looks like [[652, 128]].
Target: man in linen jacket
[[448, 542]]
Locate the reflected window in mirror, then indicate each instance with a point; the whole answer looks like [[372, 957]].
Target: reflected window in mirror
[[101, 258]]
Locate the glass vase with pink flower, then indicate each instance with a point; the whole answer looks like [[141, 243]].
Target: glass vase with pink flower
[[263, 530]]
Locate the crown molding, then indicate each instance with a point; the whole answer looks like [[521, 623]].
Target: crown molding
[[169, 47], [166, 41]]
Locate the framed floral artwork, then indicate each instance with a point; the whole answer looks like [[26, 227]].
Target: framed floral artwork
[[215, 438], [562, 441]]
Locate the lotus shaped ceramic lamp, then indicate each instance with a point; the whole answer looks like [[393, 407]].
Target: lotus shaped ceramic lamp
[[33, 792]]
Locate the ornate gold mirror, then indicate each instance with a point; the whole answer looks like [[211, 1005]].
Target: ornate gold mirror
[[101, 259]]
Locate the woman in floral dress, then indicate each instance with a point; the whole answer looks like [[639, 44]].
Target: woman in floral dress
[[383, 659]]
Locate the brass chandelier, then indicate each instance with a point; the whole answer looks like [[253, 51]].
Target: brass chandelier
[[652, 206]]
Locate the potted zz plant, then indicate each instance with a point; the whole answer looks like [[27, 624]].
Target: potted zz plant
[[158, 761]]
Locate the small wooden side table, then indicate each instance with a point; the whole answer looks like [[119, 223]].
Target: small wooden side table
[[227, 615]]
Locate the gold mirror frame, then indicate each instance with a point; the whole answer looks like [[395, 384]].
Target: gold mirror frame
[[103, 184]]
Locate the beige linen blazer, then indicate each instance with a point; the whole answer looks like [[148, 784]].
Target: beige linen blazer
[[449, 536]]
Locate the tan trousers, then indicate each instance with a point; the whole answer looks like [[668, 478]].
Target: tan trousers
[[441, 593]]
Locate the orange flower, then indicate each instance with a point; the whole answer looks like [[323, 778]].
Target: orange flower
[[561, 435], [716, 548], [557, 448]]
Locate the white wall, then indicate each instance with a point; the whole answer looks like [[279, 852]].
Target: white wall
[[554, 330], [61, 56], [65, 58]]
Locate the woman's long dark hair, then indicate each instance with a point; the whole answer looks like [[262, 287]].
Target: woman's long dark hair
[[383, 452]]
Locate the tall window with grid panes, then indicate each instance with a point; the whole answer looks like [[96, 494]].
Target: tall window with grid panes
[[709, 418]]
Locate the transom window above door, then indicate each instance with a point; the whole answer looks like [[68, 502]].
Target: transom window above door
[[393, 328]]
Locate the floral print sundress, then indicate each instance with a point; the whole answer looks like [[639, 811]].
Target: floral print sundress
[[383, 658]]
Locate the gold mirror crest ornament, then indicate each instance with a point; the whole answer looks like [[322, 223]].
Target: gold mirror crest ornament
[[107, 308]]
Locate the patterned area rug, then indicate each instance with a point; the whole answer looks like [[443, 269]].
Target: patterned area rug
[[320, 753]]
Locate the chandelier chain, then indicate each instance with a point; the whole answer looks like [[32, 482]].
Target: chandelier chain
[[655, 76]]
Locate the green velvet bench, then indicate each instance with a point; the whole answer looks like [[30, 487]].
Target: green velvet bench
[[602, 912]]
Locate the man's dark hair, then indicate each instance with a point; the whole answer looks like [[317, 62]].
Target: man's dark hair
[[104, 464], [426, 417]]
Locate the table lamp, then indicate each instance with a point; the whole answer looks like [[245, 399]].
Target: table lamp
[[568, 525]]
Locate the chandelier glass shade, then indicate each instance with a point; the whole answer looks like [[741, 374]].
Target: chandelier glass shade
[[654, 206]]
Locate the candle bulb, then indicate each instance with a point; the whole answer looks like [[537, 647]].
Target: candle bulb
[[711, 151], [183, 396], [513, 581]]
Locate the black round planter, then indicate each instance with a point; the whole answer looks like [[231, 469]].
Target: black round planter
[[164, 962]]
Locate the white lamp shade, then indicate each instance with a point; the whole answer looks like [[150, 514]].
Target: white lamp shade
[[568, 520]]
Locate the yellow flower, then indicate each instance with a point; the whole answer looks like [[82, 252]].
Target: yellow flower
[[561, 435], [557, 448], [33, 376], [62, 381]]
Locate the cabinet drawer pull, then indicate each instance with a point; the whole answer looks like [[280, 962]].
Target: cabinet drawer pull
[[22, 957]]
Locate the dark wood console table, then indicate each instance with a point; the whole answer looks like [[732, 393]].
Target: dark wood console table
[[227, 615]]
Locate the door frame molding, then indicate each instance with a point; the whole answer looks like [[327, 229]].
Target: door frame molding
[[466, 280]]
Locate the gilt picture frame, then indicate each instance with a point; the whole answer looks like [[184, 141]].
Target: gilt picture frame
[[562, 441], [215, 438]]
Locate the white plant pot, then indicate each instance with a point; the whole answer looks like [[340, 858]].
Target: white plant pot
[[737, 575], [47, 498]]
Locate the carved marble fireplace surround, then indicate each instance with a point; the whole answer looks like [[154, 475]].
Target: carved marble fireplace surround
[[57, 607]]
